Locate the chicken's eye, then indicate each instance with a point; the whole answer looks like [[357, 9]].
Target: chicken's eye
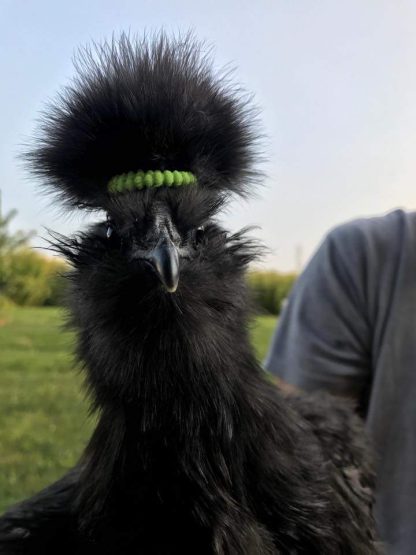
[[199, 234]]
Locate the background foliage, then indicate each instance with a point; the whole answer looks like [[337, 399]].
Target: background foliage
[[270, 289], [27, 277], [33, 279]]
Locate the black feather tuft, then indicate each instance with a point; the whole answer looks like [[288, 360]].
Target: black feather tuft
[[145, 105]]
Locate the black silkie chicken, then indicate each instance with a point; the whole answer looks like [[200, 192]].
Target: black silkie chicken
[[195, 452]]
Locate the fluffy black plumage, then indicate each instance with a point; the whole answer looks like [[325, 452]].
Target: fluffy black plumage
[[195, 451]]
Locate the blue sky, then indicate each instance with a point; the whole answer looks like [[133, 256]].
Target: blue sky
[[336, 83]]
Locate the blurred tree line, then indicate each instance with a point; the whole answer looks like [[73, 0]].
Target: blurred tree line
[[28, 277], [270, 289]]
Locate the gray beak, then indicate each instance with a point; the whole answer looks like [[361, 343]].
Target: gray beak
[[165, 260]]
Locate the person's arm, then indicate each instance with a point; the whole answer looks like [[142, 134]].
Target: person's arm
[[323, 339]]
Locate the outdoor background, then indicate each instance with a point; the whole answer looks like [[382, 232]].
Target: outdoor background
[[336, 85]]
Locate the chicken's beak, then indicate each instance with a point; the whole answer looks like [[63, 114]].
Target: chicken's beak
[[165, 260]]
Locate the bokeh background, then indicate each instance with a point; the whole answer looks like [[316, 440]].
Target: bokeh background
[[336, 85]]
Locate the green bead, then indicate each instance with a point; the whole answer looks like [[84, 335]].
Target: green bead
[[158, 178], [148, 179], [129, 184], [186, 178], [193, 178], [168, 178], [177, 178], [120, 183], [138, 180]]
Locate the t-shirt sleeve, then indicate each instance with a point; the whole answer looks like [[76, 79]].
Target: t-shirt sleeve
[[323, 338]]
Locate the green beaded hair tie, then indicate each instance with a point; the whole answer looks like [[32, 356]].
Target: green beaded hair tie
[[144, 180]]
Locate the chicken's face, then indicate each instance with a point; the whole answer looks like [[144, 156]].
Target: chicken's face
[[159, 260], [154, 241]]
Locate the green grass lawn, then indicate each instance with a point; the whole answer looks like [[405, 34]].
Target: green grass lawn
[[43, 415]]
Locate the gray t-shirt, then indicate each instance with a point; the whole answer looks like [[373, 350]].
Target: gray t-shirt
[[350, 327]]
